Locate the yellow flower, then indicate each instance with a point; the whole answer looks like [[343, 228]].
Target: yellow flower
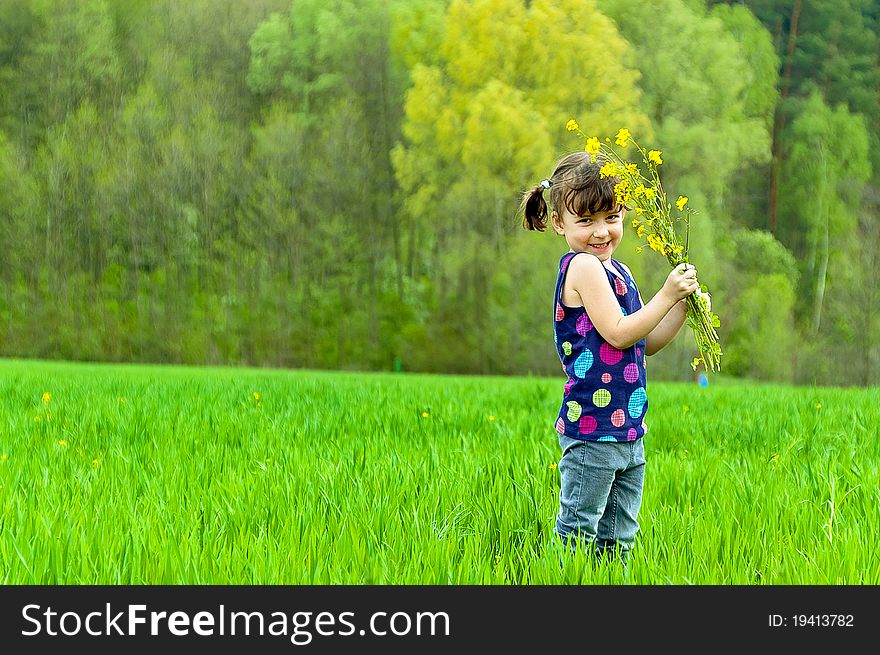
[[681, 202], [47, 397], [608, 170], [4, 457], [655, 243], [639, 190], [654, 156], [424, 414], [95, 463], [818, 405], [592, 145], [491, 418], [572, 125], [631, 168], [649, 192], [256, 395], [37, 419], [685, 409], [552, 466], [696, 362], [640, 232], [623, 136], [62, 443]]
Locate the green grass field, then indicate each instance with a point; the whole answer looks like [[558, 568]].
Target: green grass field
[[171, 475]]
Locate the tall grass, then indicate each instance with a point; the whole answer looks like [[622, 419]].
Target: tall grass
[[163, 475]]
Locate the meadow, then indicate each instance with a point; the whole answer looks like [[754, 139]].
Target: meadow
[[131, 474]]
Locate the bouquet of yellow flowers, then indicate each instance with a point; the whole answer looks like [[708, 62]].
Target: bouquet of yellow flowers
[[640, 189]]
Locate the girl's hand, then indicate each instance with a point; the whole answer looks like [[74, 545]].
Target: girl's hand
[[681, 282]]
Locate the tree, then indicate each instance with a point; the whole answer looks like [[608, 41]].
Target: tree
[[483, 119]]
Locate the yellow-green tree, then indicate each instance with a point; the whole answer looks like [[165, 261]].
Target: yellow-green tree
[[484, 119]]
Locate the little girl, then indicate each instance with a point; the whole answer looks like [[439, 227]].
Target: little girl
[[603, 331]]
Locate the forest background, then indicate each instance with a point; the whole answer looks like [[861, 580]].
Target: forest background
[[334, 183]]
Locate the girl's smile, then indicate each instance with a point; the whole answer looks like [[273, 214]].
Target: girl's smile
[[598, 234]]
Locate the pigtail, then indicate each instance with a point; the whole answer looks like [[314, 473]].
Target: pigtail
[[534, 207]]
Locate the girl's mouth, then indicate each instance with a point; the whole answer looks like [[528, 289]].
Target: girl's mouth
[[600, 246]]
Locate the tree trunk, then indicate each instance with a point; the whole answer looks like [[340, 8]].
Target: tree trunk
[[779, 119]]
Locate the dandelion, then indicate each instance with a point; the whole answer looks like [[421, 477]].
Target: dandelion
[[572, 125], [256, 395], [491, 418], [46, 397], [623, 137], [685, 409], [818, 405], [425, 414], [552, 466], [95, 463], [63, 443], [681, 202], [654, 156]]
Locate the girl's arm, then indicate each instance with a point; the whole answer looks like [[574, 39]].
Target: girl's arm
[[587, 277], [667, 329]]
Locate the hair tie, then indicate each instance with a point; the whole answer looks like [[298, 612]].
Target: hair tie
[[546, 184]]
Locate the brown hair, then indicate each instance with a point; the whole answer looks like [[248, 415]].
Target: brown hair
[[575, 184]]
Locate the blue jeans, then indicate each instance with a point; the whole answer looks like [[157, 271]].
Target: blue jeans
[[600, 493]]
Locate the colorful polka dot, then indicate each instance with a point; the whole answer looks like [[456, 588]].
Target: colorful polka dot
[[568, 386], [587, 424], [566, 347], [583, 325], [560, 425], [601, 398], [637, 402], [623, 311], [631, 372], [619, 287], [632, 434], [609, 354], [606, 378], [609, 438], [618, 418], [583, 363], [574, 410], [560, 313]]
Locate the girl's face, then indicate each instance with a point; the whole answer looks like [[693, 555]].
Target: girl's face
[[598, 234]]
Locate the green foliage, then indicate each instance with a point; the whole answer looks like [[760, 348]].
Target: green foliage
[[334, 184], [824, 177]]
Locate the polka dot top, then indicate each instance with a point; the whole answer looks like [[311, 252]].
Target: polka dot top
[[605, 397]]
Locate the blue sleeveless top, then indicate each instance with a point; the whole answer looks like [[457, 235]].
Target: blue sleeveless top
[[605, 397]]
